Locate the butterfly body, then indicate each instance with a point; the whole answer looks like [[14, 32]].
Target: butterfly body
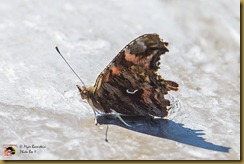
[[130, 84]]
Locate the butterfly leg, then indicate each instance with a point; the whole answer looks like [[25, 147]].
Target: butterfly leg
[[118, 116], [176, 103], [95, 116], [106, 134]]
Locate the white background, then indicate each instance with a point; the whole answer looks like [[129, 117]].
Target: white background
[[40, 104]]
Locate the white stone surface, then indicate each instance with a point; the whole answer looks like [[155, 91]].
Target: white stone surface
[[40, 104]]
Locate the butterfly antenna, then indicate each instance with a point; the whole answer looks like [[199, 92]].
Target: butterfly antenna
[[69, 65]]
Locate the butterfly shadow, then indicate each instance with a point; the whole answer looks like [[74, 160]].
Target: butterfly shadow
[[163, 128]]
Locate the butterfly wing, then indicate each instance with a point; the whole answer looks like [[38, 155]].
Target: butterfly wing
[[130, 84]]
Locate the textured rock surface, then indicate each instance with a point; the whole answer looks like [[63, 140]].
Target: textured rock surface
[[40, 105]]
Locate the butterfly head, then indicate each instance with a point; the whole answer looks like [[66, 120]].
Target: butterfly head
[[84, 92]]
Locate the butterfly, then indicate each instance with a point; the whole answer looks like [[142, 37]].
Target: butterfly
[[130, 84]]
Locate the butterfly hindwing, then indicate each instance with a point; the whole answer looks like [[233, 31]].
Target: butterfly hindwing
[[130, 84]]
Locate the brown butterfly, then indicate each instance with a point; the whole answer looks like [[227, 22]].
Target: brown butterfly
[[130, 85]]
